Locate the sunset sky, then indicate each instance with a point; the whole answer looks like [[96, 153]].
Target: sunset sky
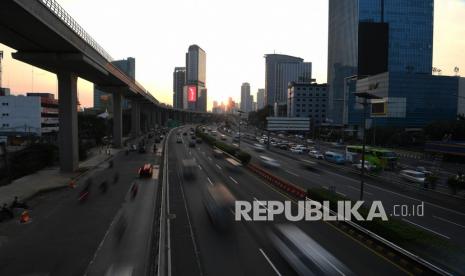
[[235, 35]]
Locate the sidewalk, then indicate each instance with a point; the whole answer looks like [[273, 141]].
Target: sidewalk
[[51, 178]]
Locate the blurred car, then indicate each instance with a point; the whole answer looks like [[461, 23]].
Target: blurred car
[[184, 133], [157, 139], [334, 157], [133, 147], [214, 133], [368, 166], [303, 253], [192, 144], [179, 140], [188, 168], [315, 154], [423, 170], [258, 147], [269, 162], [199, 141], [413, 176], [218, 201], [297, 150], [223, 137], [142, 149], [146, 170], [283, 146]]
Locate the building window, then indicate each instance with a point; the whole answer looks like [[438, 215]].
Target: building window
[[4, 104], [5, 114], [6, 125]]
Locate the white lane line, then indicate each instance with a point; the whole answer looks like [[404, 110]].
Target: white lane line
[[218, 166], [289, 172], [260, 203], [357, 189], [342, 194], [234, 180], [432, 231], [446, 220], [200, 167], [208, 178], [269, 261], [401, 195]]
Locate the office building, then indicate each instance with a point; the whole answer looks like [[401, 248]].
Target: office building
[[245, 98], [308, 100], [279, 71], [260, 98], [367, 37], [34, 114], [179, 80], [102, 100], [195, 91], [407, 100]]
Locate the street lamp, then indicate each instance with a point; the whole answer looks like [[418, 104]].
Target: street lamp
[[240, 121], [365, 96]]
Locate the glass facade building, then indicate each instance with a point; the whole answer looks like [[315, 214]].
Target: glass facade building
[[410, 40]]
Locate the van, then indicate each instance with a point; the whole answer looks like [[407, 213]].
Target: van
[[333, 157]]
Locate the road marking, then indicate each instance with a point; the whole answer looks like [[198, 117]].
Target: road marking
[[260, 203], [446, 220], [432, 231], [208, 178], [269, 261], [357, 189], [200, 167], [234, 180], [339, 193], [218, 166], [289, 172]]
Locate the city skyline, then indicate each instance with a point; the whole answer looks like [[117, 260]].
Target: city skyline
[[225, 66]]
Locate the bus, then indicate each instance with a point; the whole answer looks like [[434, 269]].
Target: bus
[[379, 157]]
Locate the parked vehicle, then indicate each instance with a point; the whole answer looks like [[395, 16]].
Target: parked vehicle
[[413, 176], [334, 157]]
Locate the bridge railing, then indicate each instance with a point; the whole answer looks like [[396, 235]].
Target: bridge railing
[[61, 13]]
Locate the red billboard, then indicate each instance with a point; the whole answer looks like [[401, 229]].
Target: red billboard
[[192, 93]]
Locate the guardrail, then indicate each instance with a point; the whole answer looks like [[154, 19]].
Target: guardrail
[[61, 13]]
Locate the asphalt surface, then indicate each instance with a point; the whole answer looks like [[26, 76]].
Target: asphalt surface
[[64, 235], [199, 249]]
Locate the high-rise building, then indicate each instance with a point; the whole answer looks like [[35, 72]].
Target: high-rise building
[[195, 88], [368, 37], [279, 71], [250, 104], [260, 98], [179, 80], [103, 100], [245, 97], [307, 100]]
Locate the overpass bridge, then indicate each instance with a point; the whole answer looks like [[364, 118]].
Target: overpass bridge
[[46, 36]]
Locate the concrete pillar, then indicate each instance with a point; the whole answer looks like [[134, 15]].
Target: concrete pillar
[[68, 132], [135, 118], [117, 119]]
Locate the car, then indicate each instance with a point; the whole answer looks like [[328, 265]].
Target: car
[[423, 170], [368, 166], [310, 141], [258, 147], [413, 176], [334, 157], [142, 149], [189, 167], [214, 133], [146, 170], [269, 162], [218, 201], [179, 140], [192, 144], [315, 154], [283, 146], [297, 150], [223, 137], [199, 141], [184, 133]]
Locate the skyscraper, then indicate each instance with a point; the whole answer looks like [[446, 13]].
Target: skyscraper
[[279, 71], [408, 29], [260, 98], [179, 80], [103, 100], [195, 86], [245, 97]]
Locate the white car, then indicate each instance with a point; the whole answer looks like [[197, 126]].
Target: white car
[[297, 150], [315, 154], [269, 162], [368, 166], [413, 176], [223, 137]]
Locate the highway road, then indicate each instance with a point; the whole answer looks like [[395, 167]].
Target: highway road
[[199, 249], [65, 237]]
